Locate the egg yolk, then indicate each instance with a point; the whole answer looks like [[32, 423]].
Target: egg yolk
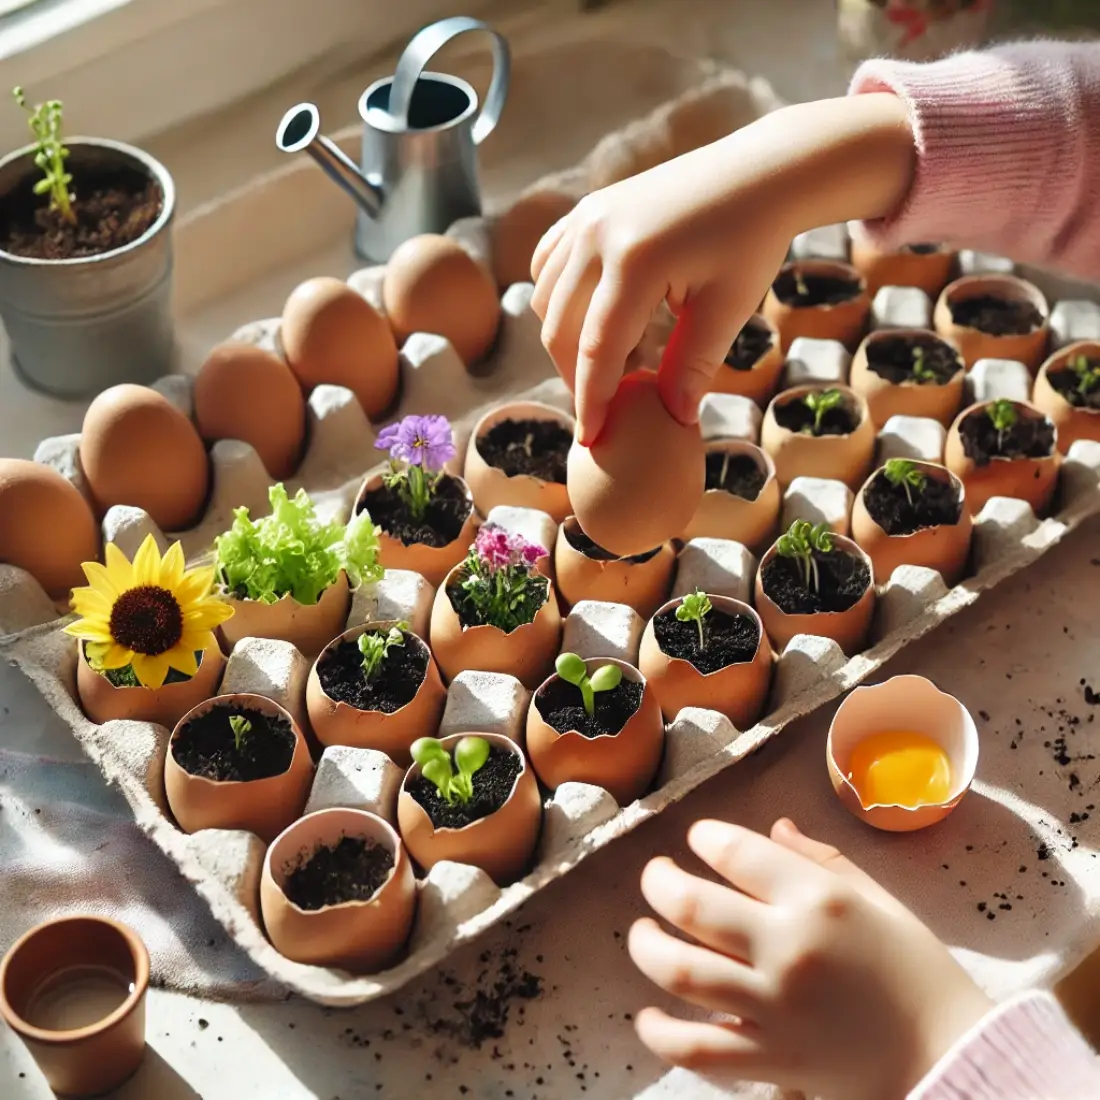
[[900, 768]]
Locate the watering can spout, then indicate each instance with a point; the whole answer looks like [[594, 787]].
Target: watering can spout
[[300, 131]]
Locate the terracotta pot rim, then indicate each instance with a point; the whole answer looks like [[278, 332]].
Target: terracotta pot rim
[[1013, 287], [720, 603], [1029, 411], [788, 396], [630, 672], [840, 542], [572, 523], [498, 739], [212, 648], [368, 484], [139, 953], [288, 598], [932, 469], [532, 572]]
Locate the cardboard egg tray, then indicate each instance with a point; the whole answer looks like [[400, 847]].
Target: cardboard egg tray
[[458, 902]]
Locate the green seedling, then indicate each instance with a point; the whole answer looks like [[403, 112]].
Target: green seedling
[[454, 781], [572, 670], [800, 544], [921, 371], [375, 645], [694, 608], [819, 402], [50, 153], [800, 287], [241, 728], [1088, 376], [901, 472], [1003, 415]]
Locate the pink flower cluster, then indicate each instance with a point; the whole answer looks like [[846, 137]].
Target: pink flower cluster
[[497, 549]]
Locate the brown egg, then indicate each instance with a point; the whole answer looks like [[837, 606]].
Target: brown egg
[[137, 448], [332, 334], [641, 481], [46, 526], [517, 233], [434, 285], [245, 392], [1073, 422]]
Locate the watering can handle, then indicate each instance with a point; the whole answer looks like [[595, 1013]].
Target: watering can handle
[[424, 45]]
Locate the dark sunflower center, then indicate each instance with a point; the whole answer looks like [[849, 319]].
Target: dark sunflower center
[[147, 620]]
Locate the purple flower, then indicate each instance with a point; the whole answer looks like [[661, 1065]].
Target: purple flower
[[425, 441]]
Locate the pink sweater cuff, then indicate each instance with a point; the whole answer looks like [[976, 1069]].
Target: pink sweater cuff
[[1025, 1049]]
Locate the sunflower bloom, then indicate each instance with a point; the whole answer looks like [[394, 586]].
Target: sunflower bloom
[[152, 615]]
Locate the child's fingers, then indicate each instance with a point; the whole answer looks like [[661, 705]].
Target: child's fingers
[[546, 246], [719, 918], [549, 275], [697, 1045], [561, 327], [695, 974]]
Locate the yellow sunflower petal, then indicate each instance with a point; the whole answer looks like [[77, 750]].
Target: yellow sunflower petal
[[118, 568], [198, 640], [151, 670], [90, 604], [147, 563], [115, 656], [88, 632], [206, 616], [195, 586], [182, 659], [99, 579], [171, 568]]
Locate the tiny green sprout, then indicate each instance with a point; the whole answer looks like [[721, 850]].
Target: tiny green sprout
[[241, 728], [800, 542], [694, 608], [1003, 415], [436, 766], [921, 371], [900, 471], [819, 402], [573, 670], [1088, 377], [375, 645], [50, 153], [800, 287]]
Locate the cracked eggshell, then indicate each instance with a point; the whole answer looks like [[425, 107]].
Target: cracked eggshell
[[723, 515], [501, 844], [931, 271], [1030, 479], [973, 344], [527, 653], [845, 322], [261, 806], [944, 548], [492, 487], [758, 384], [902, 703], [359, 936], [849, 629], [844, 458], [517, 232], [739, 691], [1071, 423], [336, 723], [886, 399], [640, 481]]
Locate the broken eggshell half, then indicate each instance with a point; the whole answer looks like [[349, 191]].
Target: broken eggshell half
[[843, 321], [760, 382], [1072, 422]]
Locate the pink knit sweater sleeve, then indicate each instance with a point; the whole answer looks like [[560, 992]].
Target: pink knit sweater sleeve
[[1008, 144], [1025, 1049]]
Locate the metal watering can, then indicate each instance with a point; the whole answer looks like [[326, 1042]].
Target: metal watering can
[[421, 131]]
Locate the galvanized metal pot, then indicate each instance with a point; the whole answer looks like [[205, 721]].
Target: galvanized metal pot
[[79, 326]]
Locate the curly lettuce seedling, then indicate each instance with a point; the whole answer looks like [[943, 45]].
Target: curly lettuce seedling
[[800, 544], [375, 645], [694, 608], [819, 403], [435, 765], [50, 153], [900, 472], [241, 728], [572, 670], [1088, 376], [1003, 415]]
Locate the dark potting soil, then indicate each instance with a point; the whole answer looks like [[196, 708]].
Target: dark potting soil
[[1027, 438], [796, 416], [935, 506], [740, 475], [493, 783], [751, 343], [584, 545], [395, 684], [921, 249], [206, 746], [352, 869], [537, 448], [111, 211], [560, 704], [728, 639], [447, 511], [1066, 382], [821, 290], [842, 581], [891, 358], [996, 316]]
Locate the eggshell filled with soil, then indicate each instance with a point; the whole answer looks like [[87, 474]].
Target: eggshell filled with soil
[[517, 232], [927, 266], [1071, 398], [754, 363], [742, 500], [822, 299]]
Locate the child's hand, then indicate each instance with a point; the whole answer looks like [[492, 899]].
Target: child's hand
[[838, 990]]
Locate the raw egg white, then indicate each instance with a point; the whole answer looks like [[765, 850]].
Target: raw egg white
[[642, 479]]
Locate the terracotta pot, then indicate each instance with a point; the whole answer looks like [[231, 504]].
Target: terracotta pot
[[845, 322], [944, 548], [974, 344], [310, 627], [337, 723], [492, 487], [527, 652], [849, 629], [501, 844], [1071, 423], [641, 585], [261, 806], [1032, 479], [433, 563], [738, 691], [723, 515], [886, 399], [359, 936], [624, 764], [102, 702], [931, 271], [759, 383], [845, 458], [97, 1058]]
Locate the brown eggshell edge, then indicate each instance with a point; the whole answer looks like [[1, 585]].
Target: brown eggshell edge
[[723, 515], [1070, 422]]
